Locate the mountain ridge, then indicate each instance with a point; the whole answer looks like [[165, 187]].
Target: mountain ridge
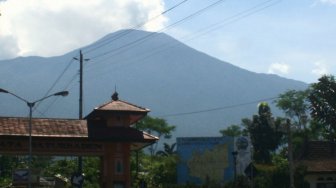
[[159, 73]]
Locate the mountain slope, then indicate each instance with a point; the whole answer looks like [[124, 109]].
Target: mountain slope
[[149, 69]]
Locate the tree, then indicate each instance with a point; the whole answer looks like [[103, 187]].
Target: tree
[[159, 171], [7, 165], [295, 105], [322, 100], [232, 130], [156, 126], [66, 168], [264, 133], [168, 150]]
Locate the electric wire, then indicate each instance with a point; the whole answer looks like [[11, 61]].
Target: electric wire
[[66, 87], [217, 108], [210, 28], [142, 39], [109, 40], [53, 85], [248, 12], [101, 45]]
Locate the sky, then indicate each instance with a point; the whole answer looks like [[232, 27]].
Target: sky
[[293, 39]]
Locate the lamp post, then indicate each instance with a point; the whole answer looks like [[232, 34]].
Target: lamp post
[[234, 154], [31, 105]]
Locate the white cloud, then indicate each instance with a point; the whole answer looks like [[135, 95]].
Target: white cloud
[[46, 28], [8, 47], [278, 68], [320, 69], [333, 2]]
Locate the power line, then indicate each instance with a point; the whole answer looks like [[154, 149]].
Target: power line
[[135, 27], [60, 76], [142, 39], [229, 20], [248, 12], [217, 109], [55, 82], [56, 98], [257, 8]]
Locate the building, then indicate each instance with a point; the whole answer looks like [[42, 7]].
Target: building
[[319, 157], [106, 132]]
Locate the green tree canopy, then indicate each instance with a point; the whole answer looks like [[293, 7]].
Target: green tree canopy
[[156, 126], [295, 105], [232, 130], [322, 100], [167, 150], [264, 133]]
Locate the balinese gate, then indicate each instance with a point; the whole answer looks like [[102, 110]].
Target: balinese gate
[[106, 132]]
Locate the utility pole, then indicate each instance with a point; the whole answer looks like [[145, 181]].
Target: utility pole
[[80, 111], [290, 154], [234, 154], [80, 115]]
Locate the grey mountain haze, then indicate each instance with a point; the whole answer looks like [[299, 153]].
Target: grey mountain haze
[[152, 70]]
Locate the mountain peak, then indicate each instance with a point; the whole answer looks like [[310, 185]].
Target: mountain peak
[[192, 90]]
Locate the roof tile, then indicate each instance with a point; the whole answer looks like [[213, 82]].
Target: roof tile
[[43, 127]]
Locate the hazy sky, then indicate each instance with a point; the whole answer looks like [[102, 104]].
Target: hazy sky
[[292, 38]]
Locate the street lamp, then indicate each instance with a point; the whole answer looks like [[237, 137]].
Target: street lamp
[[31, 105], [234, 154]]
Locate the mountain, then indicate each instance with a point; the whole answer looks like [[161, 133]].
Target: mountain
[[152, 70]]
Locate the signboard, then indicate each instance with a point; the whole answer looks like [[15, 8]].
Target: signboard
[[21, 176], [53, 146], [205, 159]]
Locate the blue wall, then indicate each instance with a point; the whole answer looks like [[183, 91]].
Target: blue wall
[[204, 159]]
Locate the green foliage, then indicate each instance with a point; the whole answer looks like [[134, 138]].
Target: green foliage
[[241, 182], [295, 105], [280, 174], [41, 161], [67, 167], [168, 150], [232, 130], [156, 126], [64, 167], [7, 165], [91, 171], [264, 133], [158, 171], [322, 98], [299, 175], [276, 175], [317, 131]]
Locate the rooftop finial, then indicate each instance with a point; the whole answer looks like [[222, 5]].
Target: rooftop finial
[[115, 94]]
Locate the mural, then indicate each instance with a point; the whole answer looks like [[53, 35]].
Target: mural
[[205, 159]]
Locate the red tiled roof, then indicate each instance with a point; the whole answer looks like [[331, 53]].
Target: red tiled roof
[[319, 156], [134, 112], [70, 128], [119, 105], [319, 166], [319, 150], [17, 126]]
